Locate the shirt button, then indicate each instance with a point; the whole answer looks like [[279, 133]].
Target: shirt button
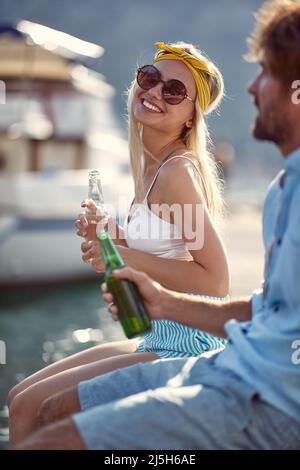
[[276, 307], [279, 241]]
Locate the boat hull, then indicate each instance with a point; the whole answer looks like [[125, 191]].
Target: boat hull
[[41, 252]]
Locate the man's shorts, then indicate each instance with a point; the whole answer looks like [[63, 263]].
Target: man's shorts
[[179, 404]]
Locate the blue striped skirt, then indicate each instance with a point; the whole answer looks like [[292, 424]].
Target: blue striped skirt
[[170, 339]]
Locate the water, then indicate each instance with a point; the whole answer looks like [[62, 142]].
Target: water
[[40, 327]]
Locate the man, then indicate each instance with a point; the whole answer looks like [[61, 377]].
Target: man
[[246, 397]]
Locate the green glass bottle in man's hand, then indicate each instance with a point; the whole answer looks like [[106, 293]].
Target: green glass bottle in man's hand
[[132, 313]]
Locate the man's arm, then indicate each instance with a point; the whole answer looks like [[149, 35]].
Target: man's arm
[[192, 311], [206, 315]]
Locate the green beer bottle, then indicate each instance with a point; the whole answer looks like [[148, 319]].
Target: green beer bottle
[[133, 316]]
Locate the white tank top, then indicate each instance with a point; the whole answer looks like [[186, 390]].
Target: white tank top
[[146, 231]]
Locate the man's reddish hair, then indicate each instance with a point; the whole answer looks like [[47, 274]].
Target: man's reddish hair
[[277, 39]]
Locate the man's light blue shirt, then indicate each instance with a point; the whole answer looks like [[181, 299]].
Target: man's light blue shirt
[[265, 351]]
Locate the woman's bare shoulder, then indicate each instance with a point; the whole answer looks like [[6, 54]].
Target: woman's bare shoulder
[[179, 165], [180, 180]]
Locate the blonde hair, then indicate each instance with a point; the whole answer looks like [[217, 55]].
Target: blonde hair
[[196, 139]]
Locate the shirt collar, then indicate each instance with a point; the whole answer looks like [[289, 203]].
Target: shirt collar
[[293, 161]]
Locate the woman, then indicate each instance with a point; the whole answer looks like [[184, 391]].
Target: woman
[[170, 163]]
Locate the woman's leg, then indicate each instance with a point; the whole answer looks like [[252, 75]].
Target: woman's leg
[[96, 353], [24, 408]]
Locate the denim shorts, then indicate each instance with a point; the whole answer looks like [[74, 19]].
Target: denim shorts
[[182, 404]]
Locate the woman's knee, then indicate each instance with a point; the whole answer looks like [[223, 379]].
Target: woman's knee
[[17, 390], [12, 394], [25, 402], [17, 405]]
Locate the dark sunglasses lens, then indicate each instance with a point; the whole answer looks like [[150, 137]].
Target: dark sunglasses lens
[[147, 77], [174, 92]]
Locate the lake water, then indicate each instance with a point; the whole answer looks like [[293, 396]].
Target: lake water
[[40, 327]]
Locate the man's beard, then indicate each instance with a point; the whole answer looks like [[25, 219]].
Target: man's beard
[[271, 131]]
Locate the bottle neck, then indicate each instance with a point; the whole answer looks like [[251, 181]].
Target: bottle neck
[[95, 192], [110, 254]]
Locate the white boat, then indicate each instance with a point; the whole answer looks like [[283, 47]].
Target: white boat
[[56, 123]]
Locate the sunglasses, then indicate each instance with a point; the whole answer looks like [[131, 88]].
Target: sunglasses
[[173, 91]]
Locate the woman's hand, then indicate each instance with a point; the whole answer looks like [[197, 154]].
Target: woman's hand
[[81, 224], [153, 294], [91, 255], [92, 211]]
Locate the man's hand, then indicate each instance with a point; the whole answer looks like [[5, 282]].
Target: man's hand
[[153, 294], [189, 310]]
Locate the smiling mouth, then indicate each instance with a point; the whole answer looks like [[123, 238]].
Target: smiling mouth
[[150, 106]]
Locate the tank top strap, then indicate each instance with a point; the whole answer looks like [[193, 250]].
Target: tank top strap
[[183, 157], [166, 160]]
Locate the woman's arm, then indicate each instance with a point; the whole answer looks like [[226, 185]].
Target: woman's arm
[[192, 311], [206, 272], [183, 276], [180, 189], [116, 232]]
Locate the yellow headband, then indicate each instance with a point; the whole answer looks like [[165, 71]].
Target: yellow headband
[[194, 65]]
